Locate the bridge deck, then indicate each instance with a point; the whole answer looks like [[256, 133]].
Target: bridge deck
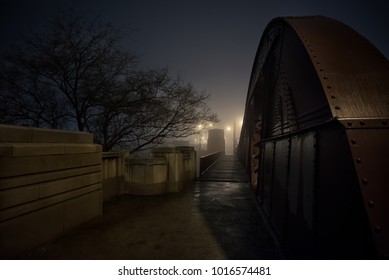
[[213, 218], [226, 169]]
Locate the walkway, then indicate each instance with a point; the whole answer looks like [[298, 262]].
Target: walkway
[[213, 218]]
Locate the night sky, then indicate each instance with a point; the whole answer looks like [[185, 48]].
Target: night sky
[[209, 43]]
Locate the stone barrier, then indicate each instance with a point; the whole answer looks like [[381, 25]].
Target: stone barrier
[[181, 165], [50, 182], [146, 176], [189, 163], [113, 180]]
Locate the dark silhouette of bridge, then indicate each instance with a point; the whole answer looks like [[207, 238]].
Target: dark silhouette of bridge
[[315, 139]]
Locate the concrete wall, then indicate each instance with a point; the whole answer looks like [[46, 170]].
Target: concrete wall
[[166, 171], [113, 180], [146, 176], [50, 182], [189, 163], [181, 165]]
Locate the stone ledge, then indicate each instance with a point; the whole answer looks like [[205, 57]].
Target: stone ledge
[[41, 149], [12, 133]]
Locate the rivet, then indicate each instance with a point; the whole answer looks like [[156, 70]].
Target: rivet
[[371, 203], [362, 123], [337, 108], [359, 161], [329, 87], [350, 123], [377, 228], [364, 180], [353, 141], [325, 78], [384, 122], [321, 70], [333, 96]]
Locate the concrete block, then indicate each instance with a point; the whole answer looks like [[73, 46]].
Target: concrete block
[[50, 181], [40, 149], [12, 212], [175, 168], [113, 173], [16, 166], [189, 162], [67, 184], [13, 133], [19, 181], [5, 149], [16, 196], [146, 176], [34, 149]]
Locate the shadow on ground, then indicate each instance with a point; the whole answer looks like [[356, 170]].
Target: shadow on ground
[[235, 222]]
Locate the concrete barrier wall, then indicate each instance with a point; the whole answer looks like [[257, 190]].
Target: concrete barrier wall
[[113, 180], [50, 182], [146, 176], [166, 171], [181, 165], [189, 163]]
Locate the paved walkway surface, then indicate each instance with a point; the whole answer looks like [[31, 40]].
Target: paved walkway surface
[[213, 218]]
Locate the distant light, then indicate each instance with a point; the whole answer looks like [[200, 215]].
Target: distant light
[[228, 128]]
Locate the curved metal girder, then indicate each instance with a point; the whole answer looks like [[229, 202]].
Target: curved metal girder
[[315, 135]]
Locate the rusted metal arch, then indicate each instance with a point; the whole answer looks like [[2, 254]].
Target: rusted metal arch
[[318, 104]]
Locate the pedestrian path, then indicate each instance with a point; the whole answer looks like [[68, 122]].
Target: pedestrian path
[[226, 169], [213, 218]]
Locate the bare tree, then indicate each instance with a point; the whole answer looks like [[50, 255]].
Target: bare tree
[[76, 76], [23, 99], [148, 108], [62, 68]]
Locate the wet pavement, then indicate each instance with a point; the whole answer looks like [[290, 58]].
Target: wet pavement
[[213, 218]]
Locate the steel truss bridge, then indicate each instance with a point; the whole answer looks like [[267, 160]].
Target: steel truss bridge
[[315, 139]]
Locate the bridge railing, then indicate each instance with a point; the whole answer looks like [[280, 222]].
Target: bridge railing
[[207, 160]]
